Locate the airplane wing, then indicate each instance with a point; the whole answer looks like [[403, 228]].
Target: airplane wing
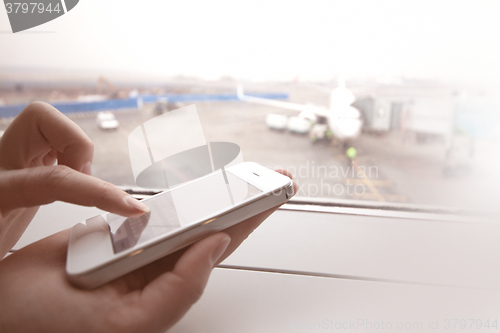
[[280, 104]]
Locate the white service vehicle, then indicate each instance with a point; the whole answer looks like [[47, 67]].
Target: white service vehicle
[[299, 125], [276, 121], [106, 120]]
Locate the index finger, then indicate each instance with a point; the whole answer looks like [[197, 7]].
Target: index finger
[[39, 128], [42, 185]]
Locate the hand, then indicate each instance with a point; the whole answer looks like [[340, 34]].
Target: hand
[[36, 295], [36, 139], [34, 292]]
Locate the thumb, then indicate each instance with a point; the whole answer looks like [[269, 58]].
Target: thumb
[[174, 292]]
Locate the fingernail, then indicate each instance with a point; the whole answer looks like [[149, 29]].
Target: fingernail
[[136, 204], [220, 249], [86, 169]]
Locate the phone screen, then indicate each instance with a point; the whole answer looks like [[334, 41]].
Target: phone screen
[[180, 207]]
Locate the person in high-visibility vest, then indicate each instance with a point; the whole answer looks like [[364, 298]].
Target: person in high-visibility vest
[[351, 155]]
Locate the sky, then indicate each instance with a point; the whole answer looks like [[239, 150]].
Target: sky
[[266, 40]]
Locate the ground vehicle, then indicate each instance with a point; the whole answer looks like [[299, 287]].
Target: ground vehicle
[[343, 120], [107, 121], [161, 106]]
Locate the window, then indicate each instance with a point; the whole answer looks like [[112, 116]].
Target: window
[[385, 101]]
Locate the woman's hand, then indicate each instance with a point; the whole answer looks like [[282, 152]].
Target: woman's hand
[[35, 294], [36, 139]]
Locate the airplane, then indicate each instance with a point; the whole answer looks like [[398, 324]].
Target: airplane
[[340, 121]]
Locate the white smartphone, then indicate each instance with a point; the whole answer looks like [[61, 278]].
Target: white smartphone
[[108, 246]]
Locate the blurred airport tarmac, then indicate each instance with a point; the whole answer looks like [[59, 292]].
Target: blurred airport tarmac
[[387, 168]]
